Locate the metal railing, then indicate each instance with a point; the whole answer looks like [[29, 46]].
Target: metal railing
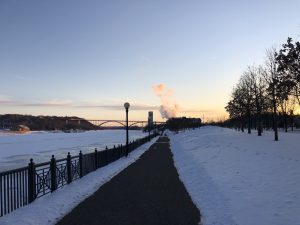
[[22, 186]]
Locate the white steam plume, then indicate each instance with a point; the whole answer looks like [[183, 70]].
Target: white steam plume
[[168, 107]]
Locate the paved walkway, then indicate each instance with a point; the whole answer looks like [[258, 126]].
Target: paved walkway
[[148, 192]]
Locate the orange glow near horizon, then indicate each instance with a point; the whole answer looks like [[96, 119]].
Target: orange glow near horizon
[[297, 110]]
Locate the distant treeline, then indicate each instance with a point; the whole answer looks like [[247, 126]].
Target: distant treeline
[[284, 121], [13, 121], [268, 95]]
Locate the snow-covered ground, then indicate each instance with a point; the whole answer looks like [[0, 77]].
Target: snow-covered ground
[[49, 209], [237, 178], [17, 149]]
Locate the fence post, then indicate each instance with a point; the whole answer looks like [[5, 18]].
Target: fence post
[[53, 174], [106, 154], [96, 159], [31, 181], [69, 169], [80, 165], [115, 153]]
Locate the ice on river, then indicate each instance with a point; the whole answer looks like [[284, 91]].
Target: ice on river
[[17, 149]]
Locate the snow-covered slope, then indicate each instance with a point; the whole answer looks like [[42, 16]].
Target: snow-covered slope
[[237, 178]]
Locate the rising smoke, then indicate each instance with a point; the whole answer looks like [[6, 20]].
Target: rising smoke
[[168, 107]]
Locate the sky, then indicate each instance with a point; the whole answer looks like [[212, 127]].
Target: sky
[[86, 58]]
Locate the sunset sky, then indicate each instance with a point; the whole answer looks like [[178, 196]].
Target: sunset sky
[[86, 58]]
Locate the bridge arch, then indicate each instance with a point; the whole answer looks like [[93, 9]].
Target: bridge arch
[[142, 122], [111, 121]]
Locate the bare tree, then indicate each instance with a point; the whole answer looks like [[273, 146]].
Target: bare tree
[[246, 84], [272, 79], [258, 91]]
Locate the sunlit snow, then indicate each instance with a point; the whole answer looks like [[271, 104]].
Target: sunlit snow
[[237, 178]]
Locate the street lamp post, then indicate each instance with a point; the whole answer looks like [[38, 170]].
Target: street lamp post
[[149, 129], [126, 106]]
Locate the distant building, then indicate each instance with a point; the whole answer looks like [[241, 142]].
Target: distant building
[[178, 123], [20, 128], [150, 118]]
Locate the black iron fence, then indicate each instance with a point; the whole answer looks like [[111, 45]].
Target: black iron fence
[[22, 186]]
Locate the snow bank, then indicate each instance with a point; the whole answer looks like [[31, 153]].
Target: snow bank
[[236, 178], [51, 208]]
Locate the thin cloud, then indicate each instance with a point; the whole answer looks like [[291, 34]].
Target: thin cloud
[[196, 111], [5, 100], [144, 107], [119, 107], [71, 104], [51, 103]]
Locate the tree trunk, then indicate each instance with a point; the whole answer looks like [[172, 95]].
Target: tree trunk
[[258, 115], [274, 115], [285, 122], [249, 122], [242, 123], [259, 127]]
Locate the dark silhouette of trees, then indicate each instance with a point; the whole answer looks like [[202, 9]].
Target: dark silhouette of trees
[[45, 122], [288, 61], [268, 91]]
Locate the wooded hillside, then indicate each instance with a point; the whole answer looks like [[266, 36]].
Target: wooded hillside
[[12, 121]]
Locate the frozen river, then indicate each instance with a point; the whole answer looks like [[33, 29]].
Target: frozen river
[[17, 149]]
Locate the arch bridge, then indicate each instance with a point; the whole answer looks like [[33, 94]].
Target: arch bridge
[[131, 123]]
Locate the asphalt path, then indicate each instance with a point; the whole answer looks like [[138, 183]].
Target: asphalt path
[[148, 192]]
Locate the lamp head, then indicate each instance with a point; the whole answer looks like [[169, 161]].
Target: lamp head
[[126, 105]]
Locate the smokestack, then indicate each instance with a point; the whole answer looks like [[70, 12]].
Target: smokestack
[[168, 107]]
